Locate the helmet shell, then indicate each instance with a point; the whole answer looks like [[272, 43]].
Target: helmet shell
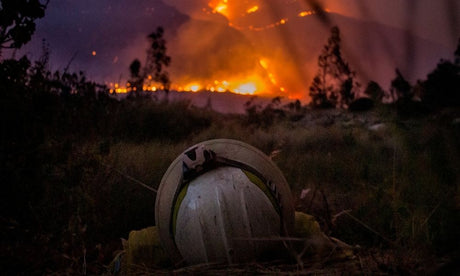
[[226, 214]]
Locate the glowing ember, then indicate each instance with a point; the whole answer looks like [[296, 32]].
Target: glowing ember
[[264, 63], [149, 88], [305, 13], [253, 9], [115, 88]]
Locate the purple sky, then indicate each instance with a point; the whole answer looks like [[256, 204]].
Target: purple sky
[[437, 20]]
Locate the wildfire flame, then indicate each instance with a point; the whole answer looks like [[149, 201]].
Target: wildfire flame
[[219, 7], [252, 9], [246, 86], [266, 76], [234, 11]]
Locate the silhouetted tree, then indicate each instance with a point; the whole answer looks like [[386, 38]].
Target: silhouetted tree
[[320, 93], [14, 77], [154, 68], [135, 68], [346, 92], [374, 91], [400, 88], [334, 83], [17, 21], [137, 81], [40, 75], [294, 110], [157, 59], [442, 87]]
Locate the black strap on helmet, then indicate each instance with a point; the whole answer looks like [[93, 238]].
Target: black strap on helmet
[[200, 160]]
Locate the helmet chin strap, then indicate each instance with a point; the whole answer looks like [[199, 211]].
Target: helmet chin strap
[[200, 160], [197, 161]]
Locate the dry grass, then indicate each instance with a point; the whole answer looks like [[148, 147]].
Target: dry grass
[[393, 191]]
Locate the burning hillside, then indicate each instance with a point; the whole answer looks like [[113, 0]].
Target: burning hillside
[[258, 47], [216, 50], [271, 47]]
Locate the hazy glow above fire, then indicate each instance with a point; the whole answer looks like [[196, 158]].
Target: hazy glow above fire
[[230, 68], [221, 41], [268, 81]]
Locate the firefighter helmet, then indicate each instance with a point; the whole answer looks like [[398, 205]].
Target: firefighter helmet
[[222, 201]]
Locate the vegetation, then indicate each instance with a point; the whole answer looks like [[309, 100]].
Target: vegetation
[[17, 21], [334, 84], [67, 147], [69, 151], [441, 87], [153, 71]]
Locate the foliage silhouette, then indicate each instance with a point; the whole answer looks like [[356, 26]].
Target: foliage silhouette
[[400, 88], [442, 86], [374, 91], [137, 81], [333, 85], [17, 21], [154, 68], [157, 58], [46, 119], [265, 116]]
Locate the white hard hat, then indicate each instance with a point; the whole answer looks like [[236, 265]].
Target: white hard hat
[[222, 201]]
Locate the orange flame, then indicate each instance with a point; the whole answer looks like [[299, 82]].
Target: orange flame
[[219, 7], [267, 78], [194, 87], [252, 9]]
